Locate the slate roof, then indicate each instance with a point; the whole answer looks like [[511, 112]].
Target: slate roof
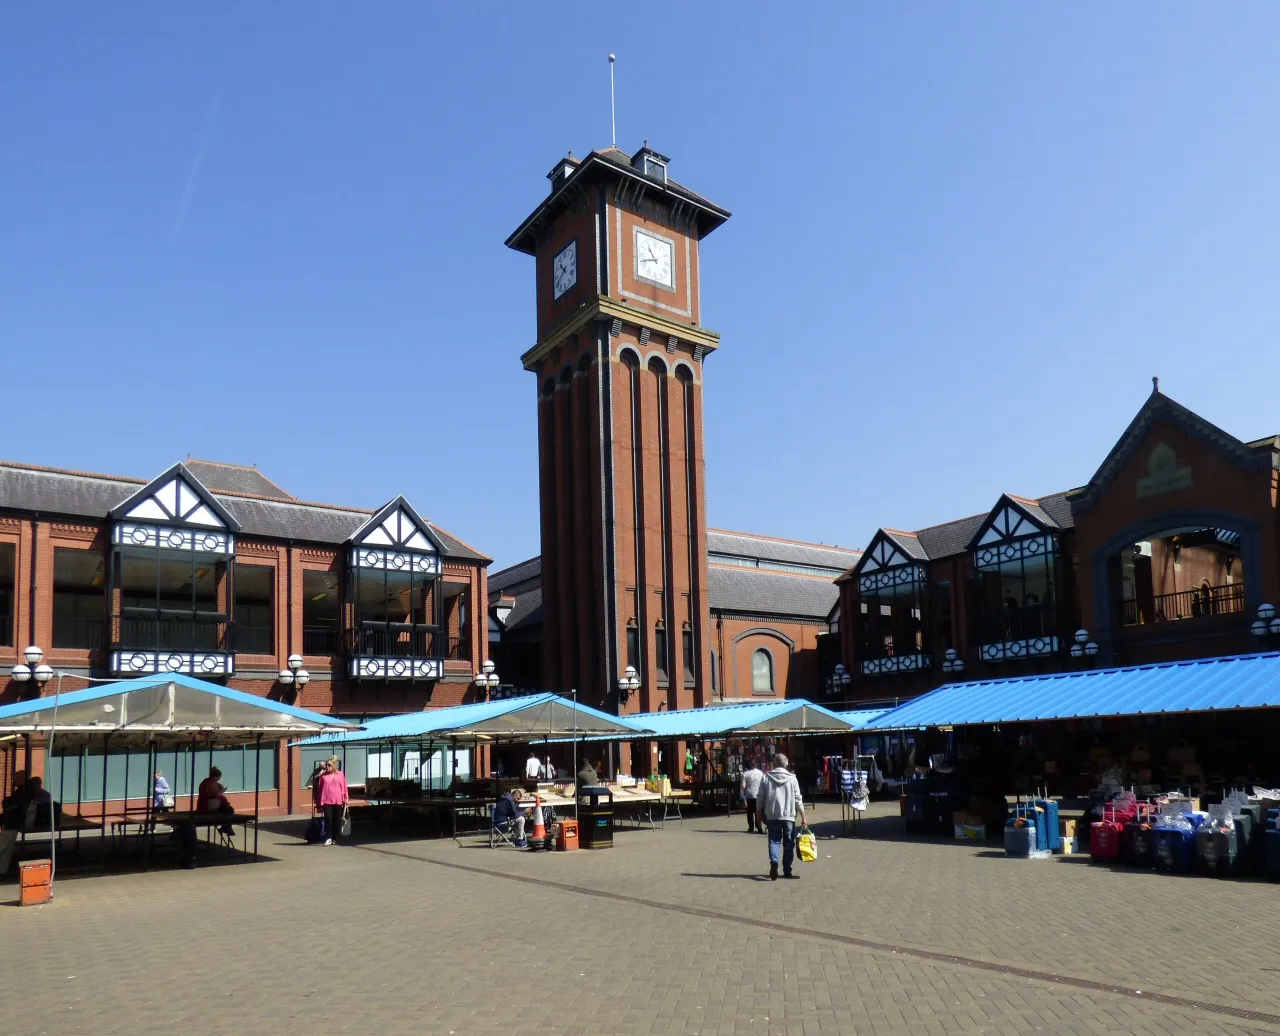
[[742, 544], [516, 574], [527, 610], [234, 478], [75, 494], [760, 592]]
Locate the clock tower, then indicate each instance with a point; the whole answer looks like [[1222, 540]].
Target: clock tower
[[619, 362]]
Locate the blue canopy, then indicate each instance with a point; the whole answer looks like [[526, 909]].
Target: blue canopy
[[164, 709], [785, 716], [1196, 685], [533, 717]]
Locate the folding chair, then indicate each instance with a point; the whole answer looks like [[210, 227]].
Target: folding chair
[[500, 834]]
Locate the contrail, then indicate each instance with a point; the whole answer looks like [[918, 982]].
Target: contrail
[[193, 175]]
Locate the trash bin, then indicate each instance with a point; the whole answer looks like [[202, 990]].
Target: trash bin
[[595, 818]]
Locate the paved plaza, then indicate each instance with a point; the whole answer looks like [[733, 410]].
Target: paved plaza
[[672, 931]]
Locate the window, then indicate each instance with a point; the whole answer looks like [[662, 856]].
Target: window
[[715, 676], [686, 637], [761, 672], [320, 613], [942, 616], [1178, 574], [891, 619], [169, 599], [7, 593], [633, 646], [79, 601], [1015, 591], [255, 617], [660, 651]]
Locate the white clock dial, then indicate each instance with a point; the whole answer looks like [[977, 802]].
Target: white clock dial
[[654, 259], [564, 269]]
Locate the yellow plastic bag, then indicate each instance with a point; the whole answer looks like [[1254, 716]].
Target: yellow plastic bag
[[807, 846]]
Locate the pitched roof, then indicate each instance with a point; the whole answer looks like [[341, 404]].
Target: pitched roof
[[75, 494], [527, 610], [759, 592], [234, 478], [768, 548], [514, 575], [1261, 454]]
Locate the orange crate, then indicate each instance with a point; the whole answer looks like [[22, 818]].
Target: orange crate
[[33, 882], [568, 837]]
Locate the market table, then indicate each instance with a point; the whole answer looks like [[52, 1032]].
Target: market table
[[208, 821]]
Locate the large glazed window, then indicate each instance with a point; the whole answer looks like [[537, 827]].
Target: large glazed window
[[172, 600], [1016, 596], [321, 613], [1185, 573], [79, 598], [891, 619], [761, 672], [255, 615]]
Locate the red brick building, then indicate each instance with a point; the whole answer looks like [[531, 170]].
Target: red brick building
[[1166, 553], [214, 570]]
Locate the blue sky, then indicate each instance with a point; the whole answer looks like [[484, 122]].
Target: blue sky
[[964, 238]]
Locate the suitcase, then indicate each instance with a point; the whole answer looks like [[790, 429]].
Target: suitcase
[[1175, 846], [914, 815], [1104, 837], [1217, 849], [1271, 845], [1020, 835], [1137, 840], [1052, 829]]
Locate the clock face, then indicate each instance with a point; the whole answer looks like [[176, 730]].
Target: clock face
[[655, 259], [564, 269]]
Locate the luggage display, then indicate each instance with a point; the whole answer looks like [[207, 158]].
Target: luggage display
[[1271, 845], [1104, 836], [914, 814], [1052, 829], [1175, 844], [1137, 839], [1217, 848]]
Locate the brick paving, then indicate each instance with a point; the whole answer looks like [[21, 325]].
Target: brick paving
[[669, 932]]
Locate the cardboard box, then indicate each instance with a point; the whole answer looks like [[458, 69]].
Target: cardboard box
[[1070, 846], [971, 832], [967, 817], [1067, 827]]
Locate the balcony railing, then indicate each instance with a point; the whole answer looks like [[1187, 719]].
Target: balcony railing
[[87, 634], [892, 643], [394, 640], [6, 630], [320, 640], [1022, 622], [459, 648], [1185, 604], [205, 632]]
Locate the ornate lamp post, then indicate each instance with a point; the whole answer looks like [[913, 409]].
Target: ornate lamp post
[[839, 679], [487, 679], [33, 669], [295, 675], [952, 663], [1267, 622], [629, 683], [1083, 646]]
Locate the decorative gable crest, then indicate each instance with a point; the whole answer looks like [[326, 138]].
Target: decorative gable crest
[[176, 512], [887, 563], [398, 540], [1011, 532]]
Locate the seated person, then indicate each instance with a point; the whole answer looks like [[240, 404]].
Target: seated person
[[587, 776], [29, 808], [507, 812], [212, 798]]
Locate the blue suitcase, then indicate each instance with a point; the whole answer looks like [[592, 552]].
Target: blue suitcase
[[1052, 828], [1020, 834], [1033, 817], [1271, 844], [1175, 846]]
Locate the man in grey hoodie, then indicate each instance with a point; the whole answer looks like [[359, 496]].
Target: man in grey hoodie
[[779, 803]]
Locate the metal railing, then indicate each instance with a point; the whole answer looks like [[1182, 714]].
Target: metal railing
[[87, 634], [320, 640], [204, 633], [1020, 622], [393, 640], [893, 642], [6, 630], [1185, 604], [459, 648]]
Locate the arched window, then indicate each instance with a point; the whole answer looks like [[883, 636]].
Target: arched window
[[762, 672]]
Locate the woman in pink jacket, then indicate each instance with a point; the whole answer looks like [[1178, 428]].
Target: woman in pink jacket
[[333, 798]]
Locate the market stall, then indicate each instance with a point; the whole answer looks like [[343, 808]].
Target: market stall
[[134, 723], [418, 736], [1111, 750]]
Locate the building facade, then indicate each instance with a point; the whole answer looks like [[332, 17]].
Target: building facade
[[769, 600], [214, 570], [618, 364], [1166, 553]]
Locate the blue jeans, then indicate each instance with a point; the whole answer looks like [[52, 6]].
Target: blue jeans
[[782, 842]]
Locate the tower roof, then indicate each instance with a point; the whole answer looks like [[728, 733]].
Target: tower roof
[[612, 165]]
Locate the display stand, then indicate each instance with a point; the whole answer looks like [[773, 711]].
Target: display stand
[[849, 815]]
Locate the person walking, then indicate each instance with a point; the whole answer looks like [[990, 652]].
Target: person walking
[[779, 803], [752, 777], [161, 796], [333, 798]]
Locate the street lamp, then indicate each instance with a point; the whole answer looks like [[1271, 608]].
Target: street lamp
[[1083, 645], [487, 679], [952, 662], [1266, 622], [33, 669], [295, 674], [630, 681], [839, 679]]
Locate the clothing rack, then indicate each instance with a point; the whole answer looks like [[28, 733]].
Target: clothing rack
[[850, 765]]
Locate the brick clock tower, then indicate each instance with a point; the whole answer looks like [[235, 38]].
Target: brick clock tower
[[619, 360]]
